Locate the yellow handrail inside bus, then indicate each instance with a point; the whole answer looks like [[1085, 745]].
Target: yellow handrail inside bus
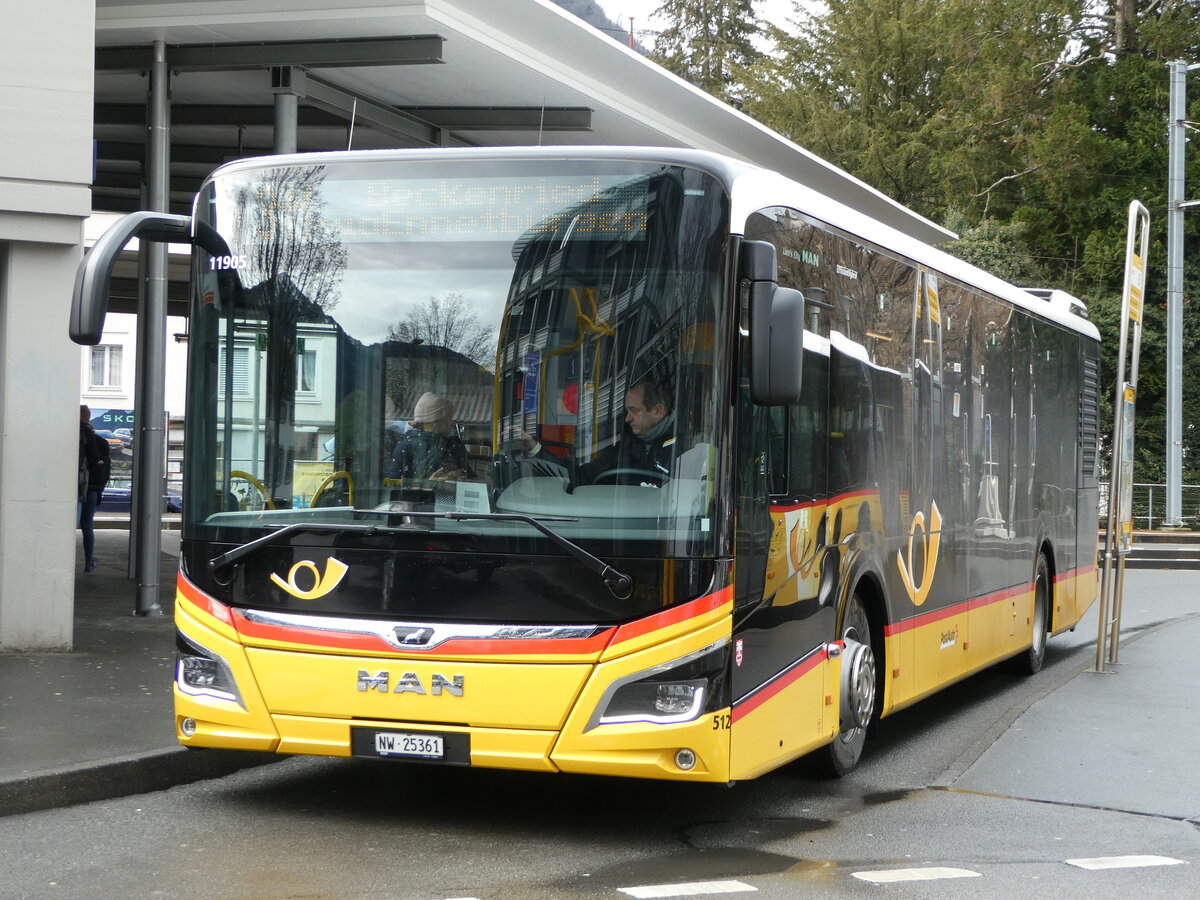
[[330, 479], [585, 325], [246, 476]]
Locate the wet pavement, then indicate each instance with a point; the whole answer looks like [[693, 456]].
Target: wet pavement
[[97, 722]]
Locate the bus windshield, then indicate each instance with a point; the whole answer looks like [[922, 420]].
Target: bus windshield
[[495, 339]]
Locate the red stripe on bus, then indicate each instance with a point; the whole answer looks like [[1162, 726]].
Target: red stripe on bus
[[955, 609], [976, 603], [793, 507], [673, 616], [783, 680], [202, 601], [371, 643], [830, 501], [311, 637], [1075, 573], [349, 640]]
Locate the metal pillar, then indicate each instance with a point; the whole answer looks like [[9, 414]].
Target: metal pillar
[[286, 107], [146, 515], [1176, 140]]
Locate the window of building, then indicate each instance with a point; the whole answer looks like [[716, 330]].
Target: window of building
[[241, 369], [306, 372], [105, 369]]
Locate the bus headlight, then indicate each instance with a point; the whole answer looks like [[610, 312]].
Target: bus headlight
[[201, 673], [678, 691], [672, 701]]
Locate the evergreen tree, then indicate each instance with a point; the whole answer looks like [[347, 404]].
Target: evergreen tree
[[709, 43], [931, 102]]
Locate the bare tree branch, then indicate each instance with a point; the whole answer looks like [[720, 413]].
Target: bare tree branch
[[1000, 181]]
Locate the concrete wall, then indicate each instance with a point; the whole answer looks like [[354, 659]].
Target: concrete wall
[[45, 168]]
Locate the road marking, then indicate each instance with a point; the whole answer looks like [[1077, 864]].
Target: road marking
[[1123, 862], [932, 873], [687, 889]]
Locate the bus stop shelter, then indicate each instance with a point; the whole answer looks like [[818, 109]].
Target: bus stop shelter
[[177, 87]]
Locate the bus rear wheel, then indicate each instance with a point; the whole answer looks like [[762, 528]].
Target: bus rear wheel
[[1029, 662], [858, 682]]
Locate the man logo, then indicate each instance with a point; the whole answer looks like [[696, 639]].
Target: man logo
[[322, 584], [410, 683], [930, 542]]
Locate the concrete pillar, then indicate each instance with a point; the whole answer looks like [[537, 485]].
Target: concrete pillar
[[46, 78], [39, 414]]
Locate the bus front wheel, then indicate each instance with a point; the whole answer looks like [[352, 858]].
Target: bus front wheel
[[858, 681]]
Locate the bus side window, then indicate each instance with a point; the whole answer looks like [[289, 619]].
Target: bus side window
[[800, 433]]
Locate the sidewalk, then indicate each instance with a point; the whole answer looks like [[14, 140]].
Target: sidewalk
[[1125, 741], [97, 722]]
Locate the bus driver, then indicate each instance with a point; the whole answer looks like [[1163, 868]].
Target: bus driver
[[642, 457]]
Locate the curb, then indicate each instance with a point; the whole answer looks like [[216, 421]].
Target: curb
[[139, 773]]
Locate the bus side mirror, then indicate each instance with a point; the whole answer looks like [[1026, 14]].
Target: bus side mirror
[[777, 345], [776, 320], [89, 299]]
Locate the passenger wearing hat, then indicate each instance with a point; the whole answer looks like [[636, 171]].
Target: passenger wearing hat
[[432, 449]]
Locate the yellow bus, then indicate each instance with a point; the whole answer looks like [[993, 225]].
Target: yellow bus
[[624, 461]]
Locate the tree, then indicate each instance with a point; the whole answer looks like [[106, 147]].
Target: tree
[[709, 43], [439, 346], [930, 102], [996, 247], [284, 227], [448, 322], [295, 260]]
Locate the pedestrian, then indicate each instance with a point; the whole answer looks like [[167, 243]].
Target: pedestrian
[[94, 468], [432, 448]]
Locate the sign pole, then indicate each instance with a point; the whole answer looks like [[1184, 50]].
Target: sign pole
[[1118, 535]]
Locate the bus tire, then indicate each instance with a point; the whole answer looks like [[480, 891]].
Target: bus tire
[[858, 690], [1029, 661]]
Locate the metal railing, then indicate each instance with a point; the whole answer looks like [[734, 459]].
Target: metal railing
[[1150, 505]]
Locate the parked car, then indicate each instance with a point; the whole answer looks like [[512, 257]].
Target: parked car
[[114, 441], [118, 447], [117, 498]]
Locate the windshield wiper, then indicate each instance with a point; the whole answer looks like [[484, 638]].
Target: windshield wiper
[[620, 584], [230, 557]]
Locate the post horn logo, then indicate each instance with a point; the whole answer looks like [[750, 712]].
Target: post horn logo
[[930, 539], [321, 584]]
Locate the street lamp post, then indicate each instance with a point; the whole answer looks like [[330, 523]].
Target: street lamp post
[[1176, 144]]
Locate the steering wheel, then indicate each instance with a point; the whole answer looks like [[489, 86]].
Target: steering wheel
[[614, 474]]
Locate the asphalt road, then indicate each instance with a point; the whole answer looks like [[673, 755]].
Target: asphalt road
[[310, 828]]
